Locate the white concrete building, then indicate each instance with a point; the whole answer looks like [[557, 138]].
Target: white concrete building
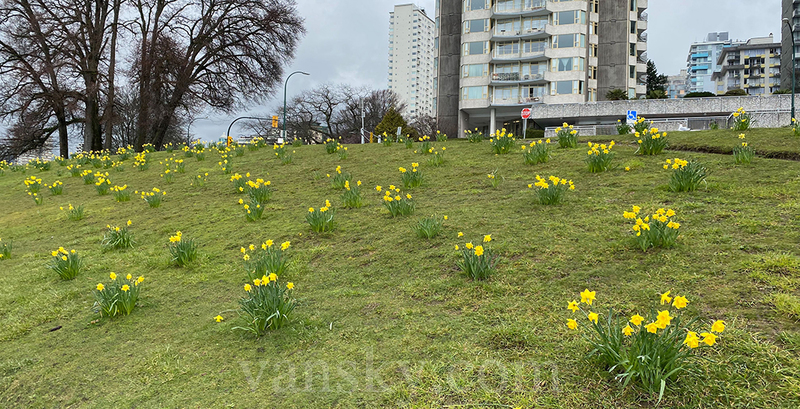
[[701, 63], [496, 57], [411, 34]]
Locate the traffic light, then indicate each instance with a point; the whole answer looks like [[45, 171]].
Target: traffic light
[[275, 121], [230, 140]]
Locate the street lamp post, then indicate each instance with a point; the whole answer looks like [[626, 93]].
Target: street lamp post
[[285, 84], [794, 65]]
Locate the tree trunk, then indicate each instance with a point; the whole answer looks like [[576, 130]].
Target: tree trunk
[[63, 140], [109, 111]]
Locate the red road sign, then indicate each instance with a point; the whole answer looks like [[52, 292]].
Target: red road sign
[[526, 113]]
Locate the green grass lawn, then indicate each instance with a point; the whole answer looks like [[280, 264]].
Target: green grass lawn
[[386, 319]]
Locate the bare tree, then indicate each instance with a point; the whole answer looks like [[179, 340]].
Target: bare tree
[[376, 103], [425, 125], [231, 52], [35, 88]]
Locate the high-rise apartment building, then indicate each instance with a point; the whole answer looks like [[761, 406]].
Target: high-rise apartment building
[[791, 12], [411, 37], [754, 67], [677, 85], [702, 61], [495, 57]]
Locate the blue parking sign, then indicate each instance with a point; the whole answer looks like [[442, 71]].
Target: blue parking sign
[[632, 117]]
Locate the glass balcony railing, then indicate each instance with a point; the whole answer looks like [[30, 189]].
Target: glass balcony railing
[[528, 51], [516, 6], [515, 76]]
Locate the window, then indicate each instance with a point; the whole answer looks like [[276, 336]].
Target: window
[[475, 70], [566, 87], [509, 48], [569, 17], [474, 92], [568, 64], [569, 40], [476, 26], [534, 46], [475, 5], [633, 50], [632, 70], [506, 93], [592, 73], [476, 47], [631, 93], [633, 27]]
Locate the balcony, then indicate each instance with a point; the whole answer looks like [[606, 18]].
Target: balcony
[[642, 4], [517, 101], [524, 34], [536, 53], [520, 8], [515, 77]]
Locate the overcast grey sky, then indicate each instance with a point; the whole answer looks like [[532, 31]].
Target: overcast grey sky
[[346, 41]]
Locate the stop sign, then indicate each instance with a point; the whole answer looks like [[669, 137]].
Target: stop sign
[[526, 113]]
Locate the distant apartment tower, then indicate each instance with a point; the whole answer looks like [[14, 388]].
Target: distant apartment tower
[[754, 66], [701, 63], [411, 36], [677, 85], [791, 11], [495, 57]]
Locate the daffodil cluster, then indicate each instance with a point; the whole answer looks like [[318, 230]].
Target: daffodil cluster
[[411, 177], [339, 178], [686, 176], [322, 219], [168, 173], [118, 237], [536, 152], [425, 146], [648, 351], [265, 260], [252, 210], [124, 152], [440, 136], [259, 191], [386, 140], [74, 213], [40, 164], [153, 198], [121, 193], [67, 264], [341, 151], [5, 250], [474, 136], [239, 183], [225, 161], [397, 203], [742, 120], [599, 156], [267, 304], [437, 157], [102, 183], [119, 297], [200, 180], [74, 170], [567, 136], [795, 132], [657, 230], [351, 197], [551, 191], [429, 227], [140, 161], [641, 125], [495, 179], [33, 184], [182, 251], [476, 261], [502, 142], [331, 145], [744, 153], [651, 142]]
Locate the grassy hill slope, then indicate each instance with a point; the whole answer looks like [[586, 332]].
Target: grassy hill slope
[[386, 319]]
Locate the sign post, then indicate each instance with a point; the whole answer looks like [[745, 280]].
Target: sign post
[[526, 113]]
